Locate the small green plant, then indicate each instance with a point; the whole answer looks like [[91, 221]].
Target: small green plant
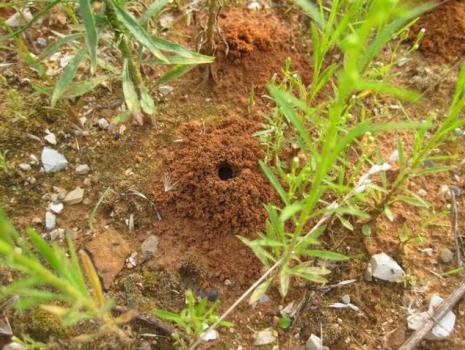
[[130, 37], [194, 319], [323, 135], [5, 165], [49, 279], [406, 240]]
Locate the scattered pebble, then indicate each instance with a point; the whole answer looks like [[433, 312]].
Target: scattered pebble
[[19, 19], [87, 182], [82, 169], [386, 268], [345, 299], [446, 255], [41, 42], [442, 329], [50, 137], [166, 20], [75, 196], [149, 246], [56, 207], [254, 5], [459, 132], [165, 90], [422, 192], [50, 221], [457, 191], [212, 295], [52, 161], [57, 233], [264, 337], [314, 343], [210, 335], [444, 191], [24, 166], [33, 159], [103, 124], [131, 262]]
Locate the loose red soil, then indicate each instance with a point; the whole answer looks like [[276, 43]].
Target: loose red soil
[[445, 31]]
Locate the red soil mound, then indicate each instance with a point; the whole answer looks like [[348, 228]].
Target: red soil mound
[[445, 31], [255, 46]]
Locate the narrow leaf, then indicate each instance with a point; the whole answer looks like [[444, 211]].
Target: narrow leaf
[[91, 32]]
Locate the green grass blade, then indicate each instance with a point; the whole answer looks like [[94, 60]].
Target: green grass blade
[[45, 250], [138, 31], [55, 45], [67, 76], [83, 87], [174, 73], [91, 32], [312, 11], [129, 91], [275, 182], [153, 10], [169, 46]]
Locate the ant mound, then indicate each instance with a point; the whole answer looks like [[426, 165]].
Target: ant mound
[[219, 185], [254, 46], [444, 38]]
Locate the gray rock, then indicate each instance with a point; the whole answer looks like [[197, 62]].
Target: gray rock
[[75, 196], [103, 124], [459, 132], [41, 42], [149, 246], [446, 255], [14, 346], [56, 206], [53, 161], [386, 268], [24, 167], [264, 337], [210, 335], [50, 221], [165, 89], [57, 233], [82, 169], [314, 343]]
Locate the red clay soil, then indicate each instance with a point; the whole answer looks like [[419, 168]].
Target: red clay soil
[[219, 193], [254, 47], [445, 31]]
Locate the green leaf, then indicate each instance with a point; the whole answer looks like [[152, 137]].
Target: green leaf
[[284, 281], [346, 223], [83, 87], [388, 213], [174, 73], [67, 76], [260, 291], [414, 200], [311, 10], [275, 182], [167, 315], [290, 210], [138, 31], [153, 10], [129, 91], [324, 254], [366, 230], [44, 249], [285, 322], [146, 102], [91, 32], [121, 117]]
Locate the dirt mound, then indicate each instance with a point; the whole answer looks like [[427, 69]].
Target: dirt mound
[[218, 182], [445, 31], [255, 46]]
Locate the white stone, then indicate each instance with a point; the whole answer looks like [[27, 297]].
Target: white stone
[[254, 5], [82, 169], [53, 161], [103, 124], [50, 221], [345, 299], [442, 329], [166, 20], [445, 326], [24, 166], [57, 233], [264, 337], [50, 137], [422, 192], [19, 19], [386, 268], [314, 343], [75, 196], [209, 335], [14, 346], [56, 207]]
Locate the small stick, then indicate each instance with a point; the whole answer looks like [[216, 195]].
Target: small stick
[[455, 228], [441, 310]]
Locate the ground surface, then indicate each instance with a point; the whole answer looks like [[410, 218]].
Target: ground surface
[[193, 180]]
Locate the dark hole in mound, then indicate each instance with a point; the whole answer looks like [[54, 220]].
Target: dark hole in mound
[[226, 171]]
